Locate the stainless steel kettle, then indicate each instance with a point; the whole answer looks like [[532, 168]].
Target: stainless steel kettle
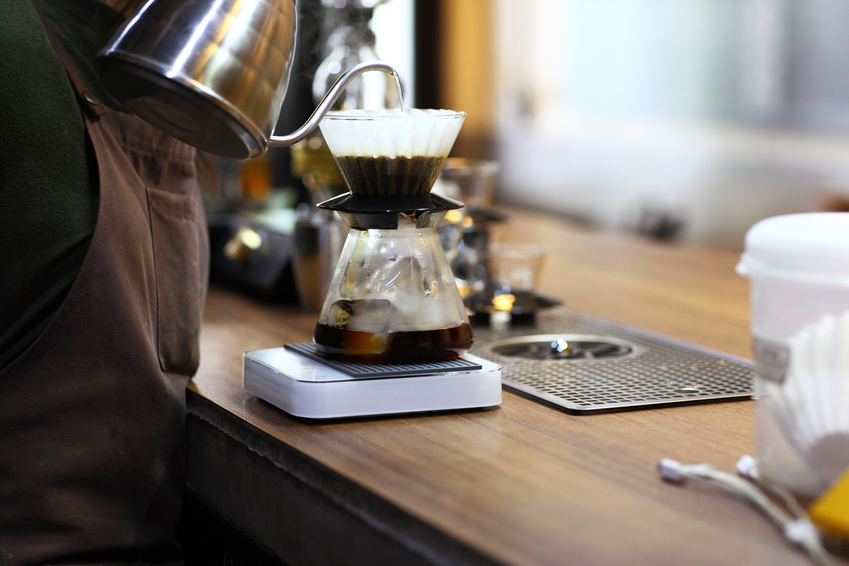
[[212, 73]]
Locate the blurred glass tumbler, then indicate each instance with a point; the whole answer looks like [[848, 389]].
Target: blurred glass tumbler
[[798, 267], [466, 236], [471, 181], [513, 271]]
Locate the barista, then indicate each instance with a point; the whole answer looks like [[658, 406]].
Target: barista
[[104, 252]]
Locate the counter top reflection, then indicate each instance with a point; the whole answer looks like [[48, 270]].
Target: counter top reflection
[[519, 484]]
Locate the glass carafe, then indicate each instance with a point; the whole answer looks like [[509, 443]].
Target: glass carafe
[[393, 297]]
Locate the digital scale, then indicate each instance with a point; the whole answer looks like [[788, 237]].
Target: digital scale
[[296, 379]]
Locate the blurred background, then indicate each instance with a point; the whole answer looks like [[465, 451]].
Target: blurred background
[[679, 119], [687, 119]]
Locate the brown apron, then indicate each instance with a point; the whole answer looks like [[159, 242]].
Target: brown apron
[[92, 414]]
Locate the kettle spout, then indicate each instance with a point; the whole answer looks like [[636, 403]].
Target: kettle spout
[[329, 99]]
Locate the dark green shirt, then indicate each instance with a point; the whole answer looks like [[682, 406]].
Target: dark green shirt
[[48, 176]]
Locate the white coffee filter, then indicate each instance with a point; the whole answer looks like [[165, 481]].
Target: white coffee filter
[[391, 132]]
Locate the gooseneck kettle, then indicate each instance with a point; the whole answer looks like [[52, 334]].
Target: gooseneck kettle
[[213, 73]]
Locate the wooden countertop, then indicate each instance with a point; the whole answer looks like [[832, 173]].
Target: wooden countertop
[[519, 484]]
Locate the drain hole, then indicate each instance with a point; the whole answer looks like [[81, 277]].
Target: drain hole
[[563, 347]]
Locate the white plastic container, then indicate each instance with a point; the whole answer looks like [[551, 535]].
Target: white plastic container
[[798, 267]]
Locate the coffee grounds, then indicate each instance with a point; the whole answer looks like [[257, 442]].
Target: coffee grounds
[[385, 176]]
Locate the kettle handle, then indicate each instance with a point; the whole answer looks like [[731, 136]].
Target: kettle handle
[[328, 100]]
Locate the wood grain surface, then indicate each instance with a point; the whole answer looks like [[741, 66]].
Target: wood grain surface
[[524, 483]]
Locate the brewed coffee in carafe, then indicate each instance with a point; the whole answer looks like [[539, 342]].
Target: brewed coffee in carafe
[[393, 298]]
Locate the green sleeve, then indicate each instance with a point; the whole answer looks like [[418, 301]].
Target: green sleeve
[[48, 182]]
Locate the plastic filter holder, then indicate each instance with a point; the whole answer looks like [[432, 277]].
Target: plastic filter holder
[[798, 268]]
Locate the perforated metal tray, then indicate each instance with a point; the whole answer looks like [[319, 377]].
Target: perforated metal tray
[[643, 370], [373, 371]]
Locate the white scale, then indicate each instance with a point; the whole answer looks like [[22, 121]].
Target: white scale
[[297, 380]]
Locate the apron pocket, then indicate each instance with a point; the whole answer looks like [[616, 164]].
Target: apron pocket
[[173, 223]]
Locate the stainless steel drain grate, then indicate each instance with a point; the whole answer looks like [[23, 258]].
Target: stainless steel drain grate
[[584, 364], [563, 347]]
